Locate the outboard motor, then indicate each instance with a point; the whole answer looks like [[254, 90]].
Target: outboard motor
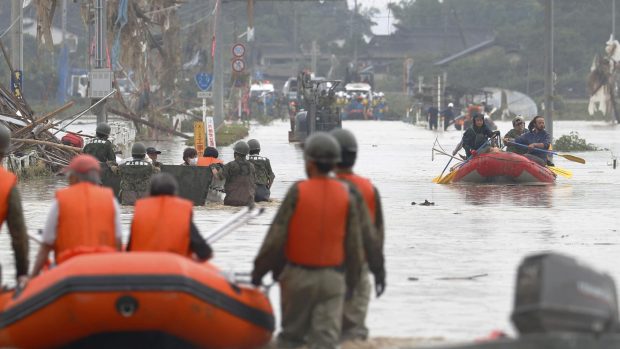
[[556, 293]]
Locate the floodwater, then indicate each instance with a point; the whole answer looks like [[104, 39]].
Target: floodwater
[[481, 231]]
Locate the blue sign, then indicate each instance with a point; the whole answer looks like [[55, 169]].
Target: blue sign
[[204, 81]]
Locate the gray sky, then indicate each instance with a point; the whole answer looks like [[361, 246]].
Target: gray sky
[[384, 19]]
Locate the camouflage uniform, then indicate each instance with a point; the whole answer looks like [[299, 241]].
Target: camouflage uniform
[[264, 177], [240, 184], [135, 179], [312, 299], [101, 149]]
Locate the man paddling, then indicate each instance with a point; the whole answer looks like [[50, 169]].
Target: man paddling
[[11, 211], [84, 217], [356, 306], [537, 138], [476, 136]]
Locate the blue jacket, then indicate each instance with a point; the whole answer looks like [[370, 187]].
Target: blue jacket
[[536, 137]]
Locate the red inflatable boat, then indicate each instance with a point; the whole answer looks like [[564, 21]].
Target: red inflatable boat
[[503, 167]]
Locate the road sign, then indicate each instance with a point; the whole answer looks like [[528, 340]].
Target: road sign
[[204, 80], [210, 132], [238, 50], [199, 137], [238, 65], [204, 94]]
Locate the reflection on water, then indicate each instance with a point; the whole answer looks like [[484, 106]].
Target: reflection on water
[[470, 230], [506, 195]]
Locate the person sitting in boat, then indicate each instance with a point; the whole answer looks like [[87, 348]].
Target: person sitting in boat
[[536, 138], [84, 218], [100, 147], [240, 176], [11, 211], [190, 157], [518, 129], [163, 222], [477, 136]]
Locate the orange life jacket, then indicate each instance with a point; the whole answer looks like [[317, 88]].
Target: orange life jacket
[[365, 187], [318, 227], [7, 182], [206, 161], [162, 224], [85, 221]]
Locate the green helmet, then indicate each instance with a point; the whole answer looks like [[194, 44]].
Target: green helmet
[[242, 148], [254, 144], [5, 139], [322, 147], [103, 128], [138, 149], [345, 139]]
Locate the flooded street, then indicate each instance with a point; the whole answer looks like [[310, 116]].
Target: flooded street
[[479, 231]]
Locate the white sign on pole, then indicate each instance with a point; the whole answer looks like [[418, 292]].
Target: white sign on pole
[[210, 132], [204, 94]]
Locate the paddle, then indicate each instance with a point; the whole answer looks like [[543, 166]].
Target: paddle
[[561, 171], [448, 178], [565, 156], [438, 178]]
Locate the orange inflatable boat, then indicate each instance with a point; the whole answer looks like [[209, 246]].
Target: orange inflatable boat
[[134, 300]]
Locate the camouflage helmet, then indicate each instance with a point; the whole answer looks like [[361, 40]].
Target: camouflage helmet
[[345, 139], [103, 128], [242, 148], [5, 138], [138, 149], [254, 144], [321, 147]]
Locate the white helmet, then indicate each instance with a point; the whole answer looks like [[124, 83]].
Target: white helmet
[[450, 105], [381, 94]]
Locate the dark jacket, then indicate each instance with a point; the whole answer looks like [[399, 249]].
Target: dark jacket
[[475, 137], [536, 137]]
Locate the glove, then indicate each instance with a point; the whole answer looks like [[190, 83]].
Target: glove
[[474, 153], [257, 280], [379, 285]]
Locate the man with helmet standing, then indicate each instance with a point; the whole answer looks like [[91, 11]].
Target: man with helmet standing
[[314, 249], [135, 175], [101, 148], [240, 177], [356, 307], [84, 218], [264, 174], [11, 211]]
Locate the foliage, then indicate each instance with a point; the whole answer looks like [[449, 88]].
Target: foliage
[[573, 142]]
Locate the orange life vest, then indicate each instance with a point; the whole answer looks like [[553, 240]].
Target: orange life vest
[[162, 224], [206, 161], [365, 187], [7, 182], [85, 220], [318, 227]]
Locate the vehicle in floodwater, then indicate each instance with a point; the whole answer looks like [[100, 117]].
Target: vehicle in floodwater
[[318, 108]]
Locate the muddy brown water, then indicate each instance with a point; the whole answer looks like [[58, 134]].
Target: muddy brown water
[[481, 231]]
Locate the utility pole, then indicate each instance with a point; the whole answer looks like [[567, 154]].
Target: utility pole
[[218, 74], [549, 88], [100, 79], [17, 43], [613, 19], [354, 28], [313, 61]]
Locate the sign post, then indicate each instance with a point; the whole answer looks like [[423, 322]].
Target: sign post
[[199, 137], [211, 132], [203, 81]]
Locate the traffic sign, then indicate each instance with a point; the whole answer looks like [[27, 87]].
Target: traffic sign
[[204, 94], [238, 50], [204, 80], [238, 65]]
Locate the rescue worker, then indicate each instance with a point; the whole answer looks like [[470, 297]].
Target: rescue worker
[[152, 153], [448, 116], [537, 138], [190, 157], [11, 212], [163, 222], [84, 217], [209, 157], [135, 175], [264, 174], [356, 307], [314, 249], [432, 117], [518, 128], [476, 136], [101, 148], [240, 177]]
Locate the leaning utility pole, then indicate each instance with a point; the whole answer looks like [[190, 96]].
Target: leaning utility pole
[[17, 44], [549, 88], [100, 79], [218, 74]]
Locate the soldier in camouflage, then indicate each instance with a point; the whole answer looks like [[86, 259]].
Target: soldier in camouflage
[[264, 174], [240, 177], [101, 148], [136, 176]]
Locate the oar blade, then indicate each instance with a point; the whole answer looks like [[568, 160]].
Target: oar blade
[[448, 178], [561, 171], [573, 158]]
